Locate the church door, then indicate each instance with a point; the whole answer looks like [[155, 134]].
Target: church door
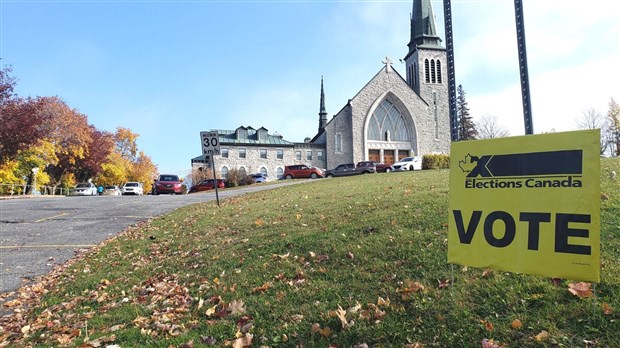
[[374, 155], [388, 157]]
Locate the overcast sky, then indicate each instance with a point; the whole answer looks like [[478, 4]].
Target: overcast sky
[[170, 69]]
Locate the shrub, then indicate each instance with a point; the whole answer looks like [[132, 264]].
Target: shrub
[[235, 178], [436, 161]]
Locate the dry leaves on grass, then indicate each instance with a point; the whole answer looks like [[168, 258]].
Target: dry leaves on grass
[[580, 289]]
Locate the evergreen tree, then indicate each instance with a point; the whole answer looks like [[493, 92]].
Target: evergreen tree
[[467, 128]]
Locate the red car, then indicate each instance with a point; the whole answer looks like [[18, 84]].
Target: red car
[[205, 185], [302, 171], [380, 167], [168, 183]]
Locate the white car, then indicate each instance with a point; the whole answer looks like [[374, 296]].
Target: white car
[[408, 163], [133, 188], [84, 189]]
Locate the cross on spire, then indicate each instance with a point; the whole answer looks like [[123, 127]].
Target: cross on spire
[[388, 63]]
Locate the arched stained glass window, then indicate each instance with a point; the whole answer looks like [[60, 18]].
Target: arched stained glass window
[[387, 120]]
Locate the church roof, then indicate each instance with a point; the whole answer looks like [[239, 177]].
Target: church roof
[[254, 137]]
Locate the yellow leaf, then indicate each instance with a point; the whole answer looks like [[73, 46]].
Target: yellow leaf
[[382, 302], [341, 314], [325, 332], [542, 336], [212, 310], [25, 329], [516, 324]]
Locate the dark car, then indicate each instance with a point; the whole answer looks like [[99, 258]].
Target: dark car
[[345, 169], [168, 183], [205, 185], [379, 167], [302, 171]]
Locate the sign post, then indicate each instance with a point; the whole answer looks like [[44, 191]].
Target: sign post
[[210, 148]]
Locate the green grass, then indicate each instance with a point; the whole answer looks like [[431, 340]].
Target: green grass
[[294, 256]]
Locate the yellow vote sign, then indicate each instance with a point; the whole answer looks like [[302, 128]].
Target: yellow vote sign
[[527, 204]]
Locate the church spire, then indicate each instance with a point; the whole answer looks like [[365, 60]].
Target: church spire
[[423, 32], [322, 112]]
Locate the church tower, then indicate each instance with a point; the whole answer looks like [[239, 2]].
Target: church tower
[[322, 111], [426, 59]]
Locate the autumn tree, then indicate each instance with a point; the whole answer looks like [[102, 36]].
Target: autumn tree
[[68, 130], [488, 127], [7, 84], [613, 117], [467, 128], [593, 119], [125, 143], [99, 148], [143, 170]]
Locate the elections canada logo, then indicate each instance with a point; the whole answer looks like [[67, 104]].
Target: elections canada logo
[[550, 169]]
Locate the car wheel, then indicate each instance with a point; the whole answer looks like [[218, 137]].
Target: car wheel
[[329, 176], [288, 177], [314, 176], [410, 167]]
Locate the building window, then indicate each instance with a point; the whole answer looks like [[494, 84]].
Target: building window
[[280, 172], [263, 171], [433, 72], [298, 155], [242, 172], [338, 143], [319, 155], [262, 153], [224, 153], [427, 77], [387, 124], [241, 153], [280, 154], [438, 71], [309, 155], [224, 173]]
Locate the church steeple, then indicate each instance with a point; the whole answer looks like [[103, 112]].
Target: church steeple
[[423, 32], [322, 112]]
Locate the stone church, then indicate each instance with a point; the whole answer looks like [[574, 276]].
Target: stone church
[[390, 118]]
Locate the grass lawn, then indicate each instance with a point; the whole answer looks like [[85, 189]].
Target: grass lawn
[[346, 262]]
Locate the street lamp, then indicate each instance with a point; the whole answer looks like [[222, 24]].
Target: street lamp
[[35, 170]]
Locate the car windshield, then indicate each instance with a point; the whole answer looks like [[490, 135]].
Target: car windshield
[[168, 178], [131, 184], [82, 185]]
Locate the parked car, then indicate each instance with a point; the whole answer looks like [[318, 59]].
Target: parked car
[[302, 171], [379, 167], [409, 163], [168, 183], [348, 169], [258, 178], [133, 188], [205, 185], [84, 189], [111, 190]]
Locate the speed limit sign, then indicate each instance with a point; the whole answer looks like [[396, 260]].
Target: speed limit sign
[[210, 143]]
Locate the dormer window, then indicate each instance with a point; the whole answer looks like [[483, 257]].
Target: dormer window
[[241, 133]]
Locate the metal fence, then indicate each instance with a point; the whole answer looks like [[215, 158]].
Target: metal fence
[[20, 189]]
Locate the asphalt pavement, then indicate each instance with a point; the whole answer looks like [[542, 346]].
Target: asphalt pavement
[[38, 233]]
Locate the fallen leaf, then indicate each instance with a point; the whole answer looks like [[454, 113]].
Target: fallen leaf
[[486, 343], [242, 342], [580, 289], [211, 311], [341, 314], [262, 288], [542, 336], [516, 324], [607, 309], [382, 302], [236, 307], [415, 345]]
